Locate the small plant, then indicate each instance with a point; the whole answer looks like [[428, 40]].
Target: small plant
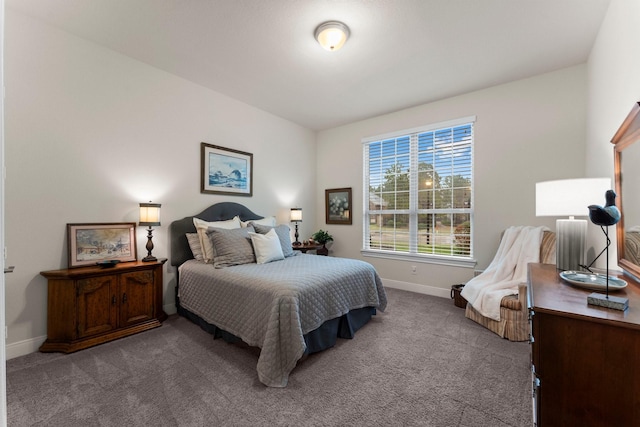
[[322, 237]]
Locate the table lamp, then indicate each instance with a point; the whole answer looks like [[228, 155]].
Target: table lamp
[[149, 215], [569, 198], [296, 217]]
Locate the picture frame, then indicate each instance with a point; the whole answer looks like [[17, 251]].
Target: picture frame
[[98, 243], [338, 206], [225, 171]]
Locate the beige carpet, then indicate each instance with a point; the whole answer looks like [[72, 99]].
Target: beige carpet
[[422, 363]]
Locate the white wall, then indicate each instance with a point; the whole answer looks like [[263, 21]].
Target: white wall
[[91, 133], [614, 85], [526, 131]]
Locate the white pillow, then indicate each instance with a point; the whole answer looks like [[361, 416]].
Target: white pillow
[[266, 247], [270, 221], [205, 242], [282, 231]]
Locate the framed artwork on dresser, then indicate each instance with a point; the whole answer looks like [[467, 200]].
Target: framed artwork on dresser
[[91, 244]]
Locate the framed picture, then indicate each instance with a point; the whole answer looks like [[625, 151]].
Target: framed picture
[[225, 171], [90, 244], [338, 205]]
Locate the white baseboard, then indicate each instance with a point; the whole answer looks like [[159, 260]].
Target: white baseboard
[[170, 308], [22, 348], [414, 287]]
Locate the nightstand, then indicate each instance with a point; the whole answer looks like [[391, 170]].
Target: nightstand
[[318, 248], [88, 306]]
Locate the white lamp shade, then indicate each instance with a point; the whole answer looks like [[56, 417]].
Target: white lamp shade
[[296, 215], [570, 197], [150, 214], [332, 35]]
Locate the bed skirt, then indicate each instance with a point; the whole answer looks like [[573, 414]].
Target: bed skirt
[[317, 340]]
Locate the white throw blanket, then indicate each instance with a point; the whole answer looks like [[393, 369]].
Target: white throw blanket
[[519, 246]]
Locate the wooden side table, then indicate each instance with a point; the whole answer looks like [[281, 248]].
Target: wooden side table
[[88, 306], [311, 247]]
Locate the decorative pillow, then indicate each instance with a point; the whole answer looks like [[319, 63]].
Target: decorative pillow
[[283, 233], [266, 247], [202, 227], [194, 244], [270, 221], [231, 247]]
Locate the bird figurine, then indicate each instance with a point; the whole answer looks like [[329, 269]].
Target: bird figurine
[[607, 215]]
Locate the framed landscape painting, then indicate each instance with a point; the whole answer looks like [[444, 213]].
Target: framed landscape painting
[[90, 244], [338, 206], [225, 171]]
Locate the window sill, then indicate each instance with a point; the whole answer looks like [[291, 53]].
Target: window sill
[[427, 259]]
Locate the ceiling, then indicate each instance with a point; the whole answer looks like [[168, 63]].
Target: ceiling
[[401, 53]]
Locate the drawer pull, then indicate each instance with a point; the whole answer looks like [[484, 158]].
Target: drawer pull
[[113, 300]]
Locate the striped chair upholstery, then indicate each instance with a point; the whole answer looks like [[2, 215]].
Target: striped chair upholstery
[[632, 246], [514, 317]]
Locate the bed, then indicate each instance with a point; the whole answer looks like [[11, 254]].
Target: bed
[[288, 308]]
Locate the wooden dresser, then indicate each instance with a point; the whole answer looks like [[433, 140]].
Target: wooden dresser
[[91, 305], [585, 360]]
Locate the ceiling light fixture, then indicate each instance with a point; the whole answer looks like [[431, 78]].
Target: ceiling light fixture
[[332, 35]]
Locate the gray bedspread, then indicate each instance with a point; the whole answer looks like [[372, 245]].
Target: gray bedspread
[[273, 305]]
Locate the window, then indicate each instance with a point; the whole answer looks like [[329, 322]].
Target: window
[[418, 192]]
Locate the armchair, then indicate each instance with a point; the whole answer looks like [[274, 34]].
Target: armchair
[[514, 317]]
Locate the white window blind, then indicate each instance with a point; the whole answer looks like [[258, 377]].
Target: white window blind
[[418, 191]]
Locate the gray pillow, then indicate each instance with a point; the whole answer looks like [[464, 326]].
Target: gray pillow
[[194, 244], [283, 233], [231, 247]]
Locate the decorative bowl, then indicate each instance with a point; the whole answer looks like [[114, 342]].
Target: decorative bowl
[[592, 281]]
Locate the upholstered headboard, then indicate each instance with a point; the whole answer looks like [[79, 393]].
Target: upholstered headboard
[[180, 251]]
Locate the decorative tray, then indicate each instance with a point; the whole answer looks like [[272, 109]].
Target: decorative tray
[[108, 263], [595, 282]]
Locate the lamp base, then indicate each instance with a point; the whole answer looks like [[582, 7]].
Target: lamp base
[[616, 303], [149, 247], [297, 242], [571, 237]]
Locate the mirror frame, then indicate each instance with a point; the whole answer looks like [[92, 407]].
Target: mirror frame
[[627, 134]]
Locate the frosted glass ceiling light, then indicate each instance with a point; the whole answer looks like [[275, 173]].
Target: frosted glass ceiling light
[[332, 35]]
